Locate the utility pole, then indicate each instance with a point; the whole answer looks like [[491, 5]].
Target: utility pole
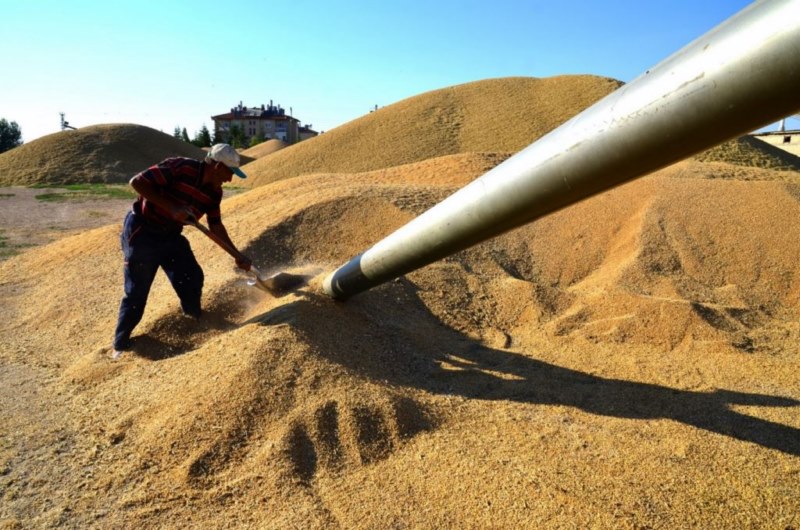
[[65, 124]]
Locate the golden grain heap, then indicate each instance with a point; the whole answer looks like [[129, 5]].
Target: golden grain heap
[[108, 153], [628, 362], [264, 148]]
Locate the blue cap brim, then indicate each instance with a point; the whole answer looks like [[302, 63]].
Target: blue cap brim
[[238, 172]]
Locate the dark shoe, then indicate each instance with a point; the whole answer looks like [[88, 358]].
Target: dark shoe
[[123, 345], [118, 349]]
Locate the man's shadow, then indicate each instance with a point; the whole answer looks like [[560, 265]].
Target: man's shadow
[[176, 334], [388, 334]]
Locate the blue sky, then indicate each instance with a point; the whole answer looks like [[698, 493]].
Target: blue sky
[[168, 63]]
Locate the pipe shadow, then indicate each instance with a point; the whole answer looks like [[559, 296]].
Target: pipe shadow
[[388, 334]]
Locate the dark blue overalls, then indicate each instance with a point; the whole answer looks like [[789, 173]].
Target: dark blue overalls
[[146, 248]]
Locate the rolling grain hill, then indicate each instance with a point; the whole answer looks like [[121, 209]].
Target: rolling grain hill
[[494, 115], [627, 362], [264, 149], [110, 153], [749, 151]]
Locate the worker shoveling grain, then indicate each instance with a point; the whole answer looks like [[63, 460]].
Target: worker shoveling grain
[[176, 192]]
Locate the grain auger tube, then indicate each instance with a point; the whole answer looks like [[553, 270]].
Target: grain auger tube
[[740, 76]]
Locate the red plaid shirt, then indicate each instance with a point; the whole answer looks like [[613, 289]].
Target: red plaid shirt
[[180, 179]]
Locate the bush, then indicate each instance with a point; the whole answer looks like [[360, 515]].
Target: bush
[[10, 135]]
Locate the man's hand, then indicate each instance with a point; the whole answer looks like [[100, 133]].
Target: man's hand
[[183, 214]]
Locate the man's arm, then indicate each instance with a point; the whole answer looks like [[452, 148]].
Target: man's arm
[[218, 229], [150, 192]]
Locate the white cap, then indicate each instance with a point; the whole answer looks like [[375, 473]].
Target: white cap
[[227, 155]]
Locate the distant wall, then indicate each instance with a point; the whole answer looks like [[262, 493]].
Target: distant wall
[[789, 141]]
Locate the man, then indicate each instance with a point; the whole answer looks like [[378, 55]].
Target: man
[[172, 193]]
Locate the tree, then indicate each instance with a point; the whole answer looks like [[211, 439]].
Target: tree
[[202, 138], [177, 132], [10, 135], [185, 136], [217, 138], [237, 136], [257, 139]]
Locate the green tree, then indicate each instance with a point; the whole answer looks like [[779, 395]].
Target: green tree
[[217, 137], [177, 132], [202, 138], [185, 136], [257, 139], [237, 136], [10, 135]]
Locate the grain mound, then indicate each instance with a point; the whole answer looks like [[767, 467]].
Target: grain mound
[[100, 153], [749, 151], [495, 115], [264, 148], [629, 361]]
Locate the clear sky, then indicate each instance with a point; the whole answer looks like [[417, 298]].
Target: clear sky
[[168, 63]]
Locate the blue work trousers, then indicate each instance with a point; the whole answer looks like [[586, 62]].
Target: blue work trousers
[[146, 249]]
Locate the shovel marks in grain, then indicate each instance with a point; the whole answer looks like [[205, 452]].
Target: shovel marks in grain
[[338, 435]]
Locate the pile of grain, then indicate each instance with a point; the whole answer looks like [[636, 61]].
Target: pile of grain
[[99, 153], [629, 361], [749, 151], [264, 148], [494, 115]]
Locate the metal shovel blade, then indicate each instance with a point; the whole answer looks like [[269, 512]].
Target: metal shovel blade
[[279, 283]]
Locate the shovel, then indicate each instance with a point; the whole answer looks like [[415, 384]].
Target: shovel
[[277, 284]]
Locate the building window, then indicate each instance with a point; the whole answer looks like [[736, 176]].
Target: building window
[[787, 139]]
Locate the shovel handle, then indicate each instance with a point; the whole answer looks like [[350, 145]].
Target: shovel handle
[[263, 284], [238, 256]]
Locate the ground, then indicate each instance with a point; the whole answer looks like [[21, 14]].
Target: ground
[[26, 221]]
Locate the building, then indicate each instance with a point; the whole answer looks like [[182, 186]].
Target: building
[[307, 132], [789, 141], [268, 121]]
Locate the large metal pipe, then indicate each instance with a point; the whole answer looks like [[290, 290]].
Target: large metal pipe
[[742, 75]]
